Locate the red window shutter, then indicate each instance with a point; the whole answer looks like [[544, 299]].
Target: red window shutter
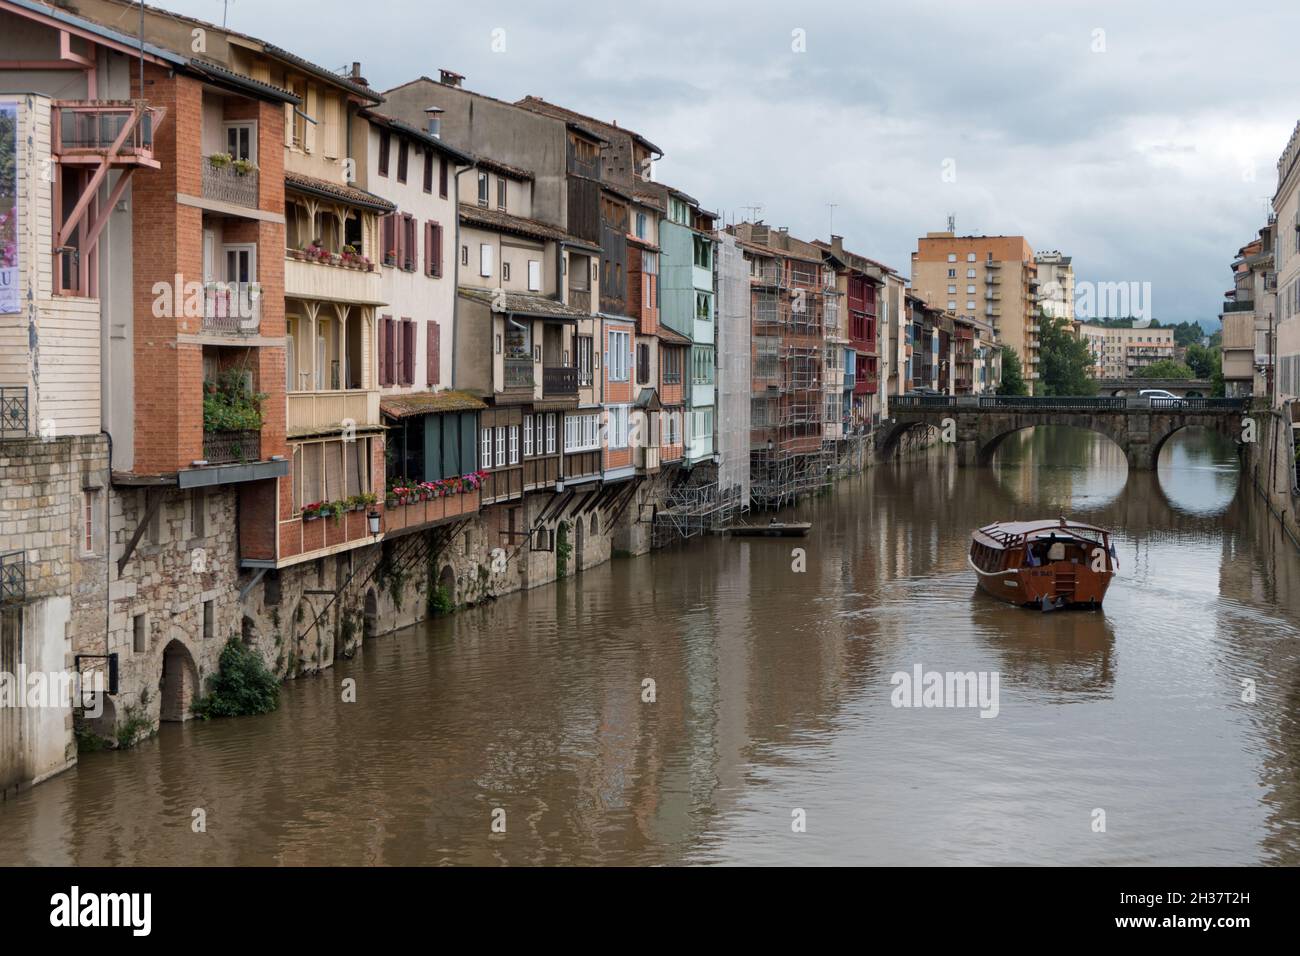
[[385, 345], [437, 249], [431, 354], [408, 352], [428, 248], [390, 239]]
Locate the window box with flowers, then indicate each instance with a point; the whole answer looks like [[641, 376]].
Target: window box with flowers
[[312, 511]]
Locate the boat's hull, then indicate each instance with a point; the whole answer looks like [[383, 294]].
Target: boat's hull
[[770, 531], [1055, 585]]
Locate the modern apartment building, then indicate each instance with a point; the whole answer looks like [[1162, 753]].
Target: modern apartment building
[[1055, 284], [1119, 353], [990, 277]]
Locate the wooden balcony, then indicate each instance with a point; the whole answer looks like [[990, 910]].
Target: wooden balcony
[[327, 282], [420, 514], [559, 382], [580, 299], [119, 133], [315, 412]]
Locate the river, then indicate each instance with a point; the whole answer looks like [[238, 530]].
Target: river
[[771, 737]]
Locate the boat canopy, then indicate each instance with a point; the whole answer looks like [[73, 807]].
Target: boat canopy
[[1005, 534]]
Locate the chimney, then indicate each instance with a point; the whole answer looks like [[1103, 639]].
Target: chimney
[[434, 122], [356, 76], [450, 78]]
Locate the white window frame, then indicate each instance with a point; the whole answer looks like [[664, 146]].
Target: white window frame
[[528, 436], [550, 433], [514, 444], [486, 258], [485, 448], [618, 359], [501, 446], [251, 125], [534, 275]]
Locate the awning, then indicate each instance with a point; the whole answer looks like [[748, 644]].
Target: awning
[[429, 403]]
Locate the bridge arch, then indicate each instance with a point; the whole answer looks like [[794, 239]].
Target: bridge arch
[[990, 439], [892, 439]]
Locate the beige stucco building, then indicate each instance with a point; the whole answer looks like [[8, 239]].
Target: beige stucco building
[[1286, 278], [1123, 353], [989, 277], [1056, 284]]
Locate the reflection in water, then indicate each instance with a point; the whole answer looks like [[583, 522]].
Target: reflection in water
[[772, 693]]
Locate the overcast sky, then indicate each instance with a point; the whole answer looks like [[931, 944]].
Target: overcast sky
[[1147, 152]]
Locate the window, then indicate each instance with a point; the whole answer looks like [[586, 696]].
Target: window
[[485, 260], [485, 449], [428, 171], [970, 290], [482, 189], [534, 275], [403, 156], [89, 498], [952, 273], [514, 444], [539, 433], [618, 426], [501, 193], [672, 365], [501, 446], [703, 307], [528, 436], [241, 141], [970, 273], [139, 634], [952, 289], [209, 620], [584, 360], [642, 362], [951, 305], [970, 304], [702, 365], [703, 252], [952, 257], [582, 432], [433, 249], [442, 177], [640, 225], [198, 513], [620, 345], [464, 255], [505, 272], [550, 433], [385, 142]]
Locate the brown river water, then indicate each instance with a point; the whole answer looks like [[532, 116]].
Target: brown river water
[[772, 737]]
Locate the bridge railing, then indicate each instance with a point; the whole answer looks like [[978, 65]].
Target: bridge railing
[[1050, 401], [1229, 404], [923, 401]]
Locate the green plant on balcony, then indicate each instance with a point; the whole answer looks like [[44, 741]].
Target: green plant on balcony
[[220, 160], [243, 167], [341, 508], [229, 405], [312, 511]]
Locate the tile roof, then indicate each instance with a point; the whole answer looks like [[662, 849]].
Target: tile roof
[[524, 303], [672, 336], [350, 194], [504, 221]]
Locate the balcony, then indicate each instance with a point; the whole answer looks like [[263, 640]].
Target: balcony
[[518, 374], [121, 132], [647, 458], [326, 280], [312, 412], [1247, 306], [559, 382], [232, 308], [13, 412], [232, 448], [400, 517], [580, 299], [226, 183]]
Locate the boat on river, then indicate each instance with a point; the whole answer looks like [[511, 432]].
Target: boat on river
[[1048, 564], [773, 529]]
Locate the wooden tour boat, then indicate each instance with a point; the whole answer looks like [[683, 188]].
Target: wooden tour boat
[[1044, 564]]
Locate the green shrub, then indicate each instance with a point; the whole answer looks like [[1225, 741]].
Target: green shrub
[[241, 686]]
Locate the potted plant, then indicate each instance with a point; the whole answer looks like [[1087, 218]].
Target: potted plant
[[243, 167], [368, 500], [312, 511], [339, 509], [220, 160]]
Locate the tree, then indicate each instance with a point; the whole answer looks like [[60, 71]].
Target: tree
[[1202, 361], [1166, 368], [1065, 359], [1013, 381]]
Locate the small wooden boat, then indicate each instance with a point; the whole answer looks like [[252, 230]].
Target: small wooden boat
[[773, 529], [1044, 564]]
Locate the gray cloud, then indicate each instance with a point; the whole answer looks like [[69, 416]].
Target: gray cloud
[[1150, 161]]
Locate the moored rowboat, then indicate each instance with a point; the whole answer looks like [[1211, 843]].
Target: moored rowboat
[[773, 529]]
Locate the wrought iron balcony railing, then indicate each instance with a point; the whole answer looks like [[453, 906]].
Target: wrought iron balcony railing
[[13, 412], [227, 448], [13, 578]]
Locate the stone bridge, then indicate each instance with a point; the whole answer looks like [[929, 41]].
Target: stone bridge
[[977, 424], [1183, 388]]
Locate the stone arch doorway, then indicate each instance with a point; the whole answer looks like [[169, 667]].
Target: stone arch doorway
[[370, 615], [578, 536], [447, 583], [178, 684], [561, 545]]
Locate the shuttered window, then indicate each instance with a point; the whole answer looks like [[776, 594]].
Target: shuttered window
[[408, 252], [432, 249], [643, 362], [385, 141], [432, 348], [390, 239], [428, 170], [528, 436], [403, 153], [485, 451], [386, 350], [442, 176], [408, 352]]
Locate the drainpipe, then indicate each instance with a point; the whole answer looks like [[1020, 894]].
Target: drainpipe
[[108, 542]]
